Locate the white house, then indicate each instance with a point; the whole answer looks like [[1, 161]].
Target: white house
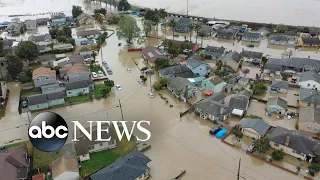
[[3, 90], [31, 24], [65, 168], [309, 80], [253, 128], [63, 63], [84, 51]]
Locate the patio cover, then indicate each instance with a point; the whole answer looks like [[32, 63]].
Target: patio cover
[[237, 112], [208, 92]]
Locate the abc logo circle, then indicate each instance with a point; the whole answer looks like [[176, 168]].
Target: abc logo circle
[[48, 131]]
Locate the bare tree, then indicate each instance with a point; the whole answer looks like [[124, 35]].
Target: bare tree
[[245, 71]]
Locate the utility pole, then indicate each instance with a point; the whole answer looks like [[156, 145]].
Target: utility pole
[[121, 109], [187, 7], [239, 169], [150, 83]]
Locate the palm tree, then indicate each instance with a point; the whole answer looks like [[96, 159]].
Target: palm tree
[[201, 35], [191, 27], [173, 24], [196, 27]]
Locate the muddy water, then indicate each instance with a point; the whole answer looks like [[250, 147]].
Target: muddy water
[[295, 12]]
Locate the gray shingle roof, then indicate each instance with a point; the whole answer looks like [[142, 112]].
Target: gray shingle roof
[[217, 96], [211, 106], [306, 76], [310, 40], [309, 114], [76, 85], [251, 35], [276, 64], [177, 71], [37, 99], [178, 83], [239, 103], [278, 37], [39, 38], [280, 84], [258, 125], [245, 93], [88, 32], [309, 96], [277, 101], [195, 63], [251, 54], [129, 167], [232, 55], [226, 32], [55, 95], [298, 141], [215, 49], [30, 22]]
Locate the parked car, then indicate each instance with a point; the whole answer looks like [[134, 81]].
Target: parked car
[[140, 82], [24, 104], [118, 87], [250, 148], [215, 130], [150, 95], [129, 70], [94, 75], [88, 59], [221, 133], [100, 73]]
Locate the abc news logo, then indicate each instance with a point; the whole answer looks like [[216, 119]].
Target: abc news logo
[[48, 131]]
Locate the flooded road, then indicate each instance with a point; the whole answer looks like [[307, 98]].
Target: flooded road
[[293, 12]]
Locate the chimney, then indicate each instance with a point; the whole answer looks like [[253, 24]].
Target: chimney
[[308, 57], [287, 141]]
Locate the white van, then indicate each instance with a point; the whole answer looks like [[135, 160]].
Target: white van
[[48, 24]]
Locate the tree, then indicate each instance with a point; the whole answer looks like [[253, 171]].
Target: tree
[[261, 145], [202, 56], [15, 64], [98, 17], [173, 24], [245, 71], [103, 27], [156, 86], [162, 13], [306, 30], [163, 81], [238, 134], [281, 28], [124, 5], [196, 27], [109, 83], [285, 76], [162, 63], [315, 166], [201, 35], [127, 29], [258, 88], [94, 55], [104, 91], [100, 11], [27, 50], [191, 28], [76, 11], [277, 155], [67, 31], [147, 27]]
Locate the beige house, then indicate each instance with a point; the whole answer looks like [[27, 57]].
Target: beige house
[[65, 168], [253, 128], [309, 119], [231, 61], [85, 146], [294, 143]]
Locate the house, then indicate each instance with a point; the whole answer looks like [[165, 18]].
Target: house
[[39, 177], [176, 71], [243, 81], [254, 128], [294, 143], [84, 51], [206, 30], [62, 63], [51, 88], [181, 88], [133, 166], [231, 61], [65, 47], [295, 64], [93, 33], [199, 68], [42, 21], [283, 40], [251, 36], [192, 47], [279, 86], [309, 119], [213, 83], [151, 53], [196, 81], [58, 19], [240, 103], [65, 168], [85, 146], [212, 52], [3, 90], [309, 80], [302, 34], [41, 40], [46, 60], [264, 31], [308, 42], [309, 96], [84, 18], [44, 101], [276, 105], [14, 164], [43, 76], [76, 59], [251, 56], [183, 25], [9, 45], [3, 68], [14, 29], [31, 24], [226, 33], [77, 88], [212, 108], [60, 56], [76, 72]]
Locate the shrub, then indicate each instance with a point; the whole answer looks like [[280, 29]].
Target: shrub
[[278, 155]]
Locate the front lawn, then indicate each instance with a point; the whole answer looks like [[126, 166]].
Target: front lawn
[[102, 159], [78, 99], [44, 159], [96, 68], [97, 90], [27, 93]]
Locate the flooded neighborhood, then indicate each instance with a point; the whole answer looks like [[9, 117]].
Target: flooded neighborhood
[[224, 100]]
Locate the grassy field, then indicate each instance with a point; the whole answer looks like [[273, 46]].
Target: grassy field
[[42, 159], [78, 99], [29, 93], [102, 159], [96, 92]]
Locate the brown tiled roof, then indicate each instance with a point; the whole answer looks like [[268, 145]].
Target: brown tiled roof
[[38, 177], [78, 68], [63, 164], [152, 53], [42, 71]]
